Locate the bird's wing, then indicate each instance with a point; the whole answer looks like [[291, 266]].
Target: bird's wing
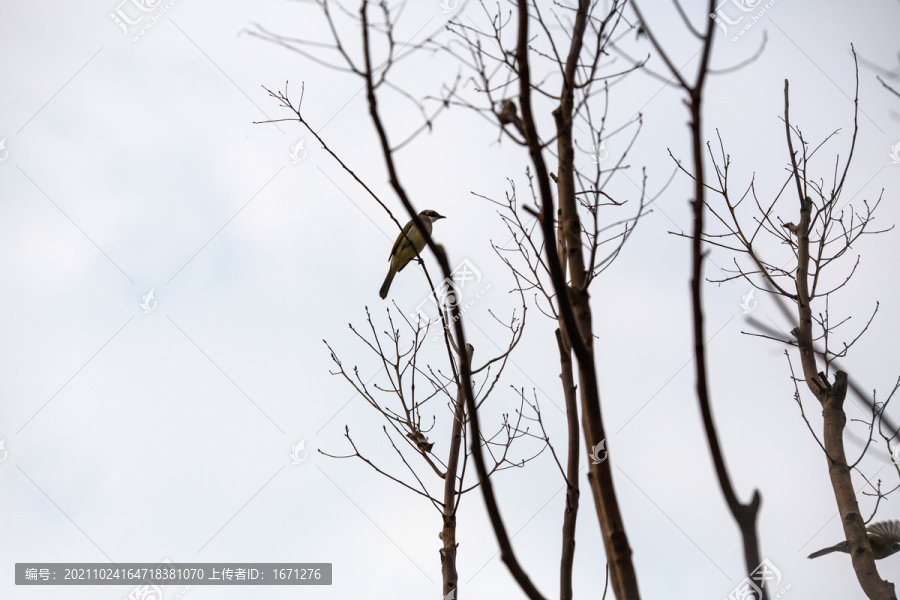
[[400, 239], [885, 530]]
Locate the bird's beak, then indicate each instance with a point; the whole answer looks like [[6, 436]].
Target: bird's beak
[[440, 216]]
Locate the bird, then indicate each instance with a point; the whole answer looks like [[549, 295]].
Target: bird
[[408, 245], [420, 439], [508, 116], [884, 537]]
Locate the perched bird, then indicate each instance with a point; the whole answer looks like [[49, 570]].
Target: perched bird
[[508, 116], [409, 243], [421, 440], [884, 537]]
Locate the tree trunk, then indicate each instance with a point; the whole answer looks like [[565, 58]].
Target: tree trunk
[[448, 534]]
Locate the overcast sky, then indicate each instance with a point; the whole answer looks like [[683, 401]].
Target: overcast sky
[[138, 429]]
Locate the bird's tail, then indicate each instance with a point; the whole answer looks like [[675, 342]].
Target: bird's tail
[[386, 286], [824, 551]]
